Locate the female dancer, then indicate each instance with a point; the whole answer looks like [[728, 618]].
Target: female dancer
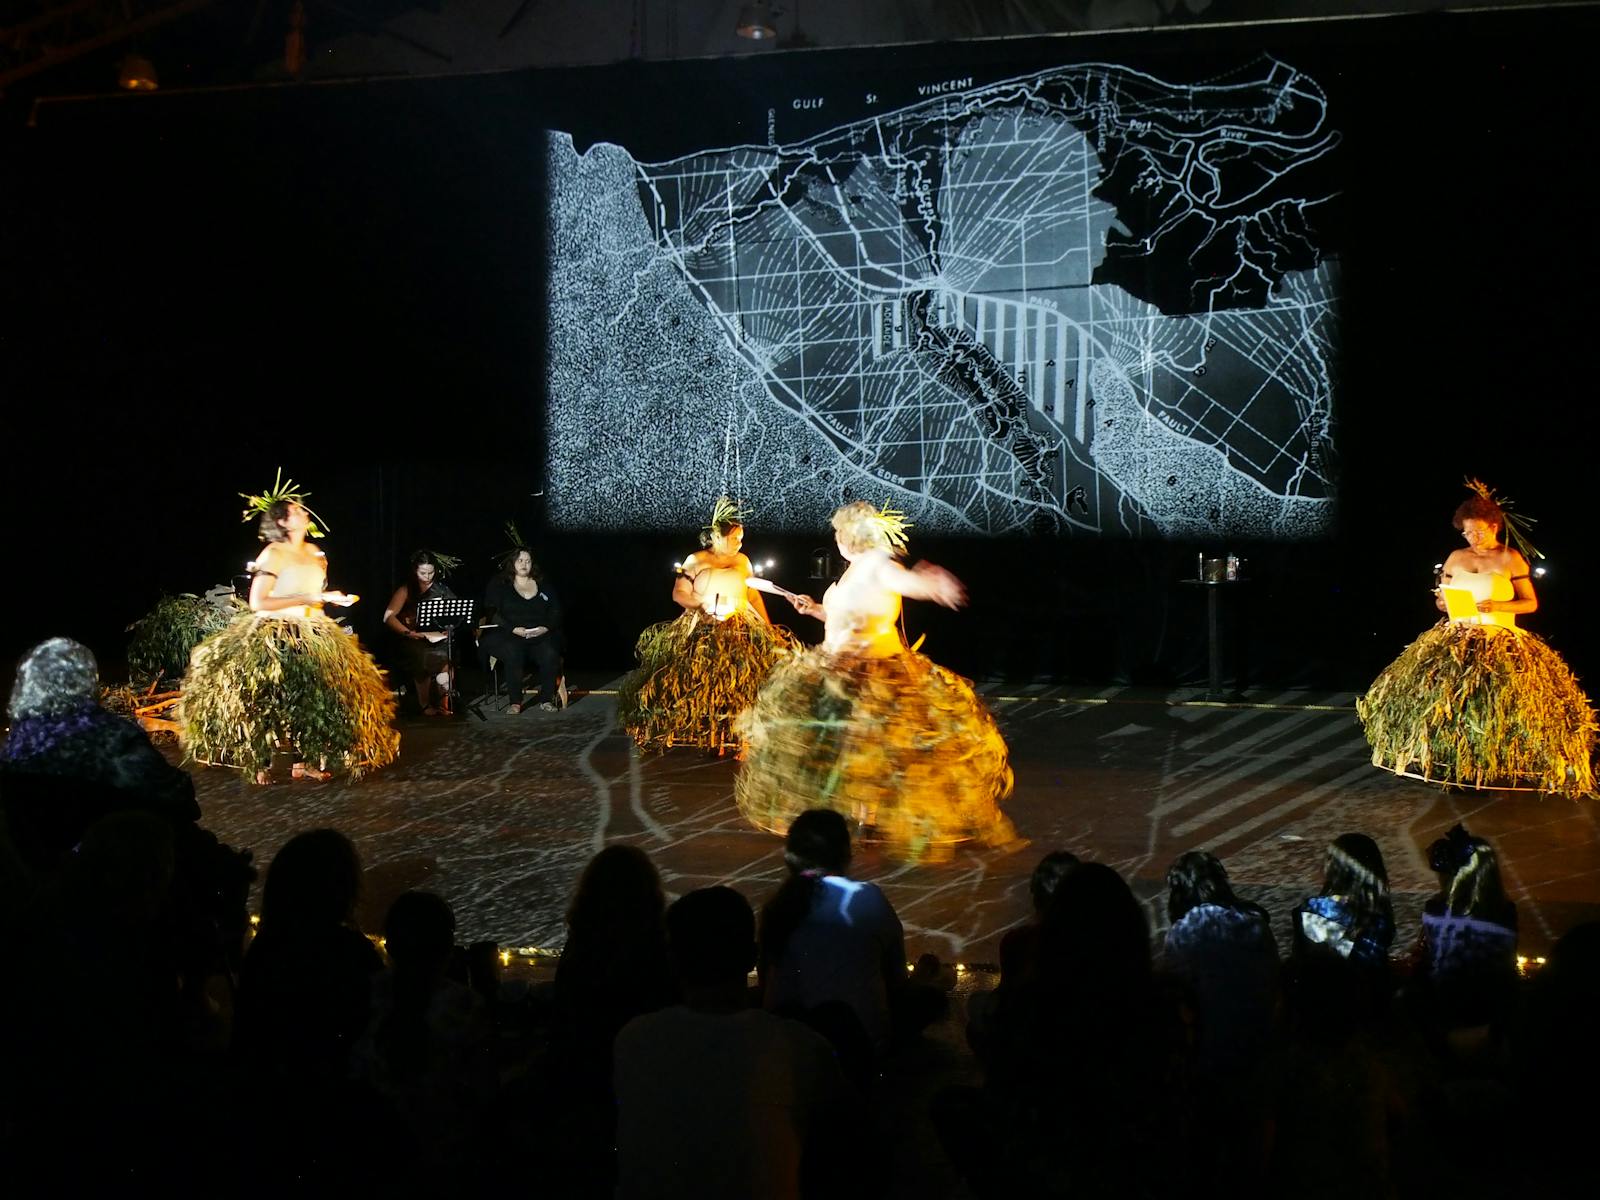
[[1476, 701], [284, 677], [698, 673], [867, 727]]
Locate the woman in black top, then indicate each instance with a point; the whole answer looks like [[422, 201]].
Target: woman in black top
[[528, 629], [423, 654]]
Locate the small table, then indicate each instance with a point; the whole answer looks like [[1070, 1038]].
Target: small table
[[1213, 630]]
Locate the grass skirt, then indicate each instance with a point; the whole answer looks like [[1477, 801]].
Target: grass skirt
[[897, 744], [1481, 707], [298, 680], [695, 676]]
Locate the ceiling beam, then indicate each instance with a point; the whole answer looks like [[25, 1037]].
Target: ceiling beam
[[54, 56]]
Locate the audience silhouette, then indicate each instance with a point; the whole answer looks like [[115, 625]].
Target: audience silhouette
[[144, 1030]]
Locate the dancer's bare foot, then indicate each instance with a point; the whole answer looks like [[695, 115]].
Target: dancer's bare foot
[[264, 777], [307, 771]]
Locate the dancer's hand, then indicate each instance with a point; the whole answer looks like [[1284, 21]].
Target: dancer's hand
[[807, 607], [939, 585], [339, 598]]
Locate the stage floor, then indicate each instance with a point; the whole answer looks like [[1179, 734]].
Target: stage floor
[[499, 816]]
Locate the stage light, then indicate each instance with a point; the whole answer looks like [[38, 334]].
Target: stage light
[[1540, 572], [136, 73], [756, 21]]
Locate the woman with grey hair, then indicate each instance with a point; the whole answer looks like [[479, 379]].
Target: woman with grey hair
[[60, 735]]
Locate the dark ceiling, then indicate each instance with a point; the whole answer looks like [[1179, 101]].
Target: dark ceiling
[[76, 47]]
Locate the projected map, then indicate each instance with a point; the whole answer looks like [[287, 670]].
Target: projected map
[[1084, 300]]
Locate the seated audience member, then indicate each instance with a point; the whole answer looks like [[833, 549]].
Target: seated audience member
[[1337, 986], [305, 985], [1084, 1095], [424, 655], [1019, 950], [614, 967], [829, 941], [717, 1100], [304, 999], [1351, 918], [68, 762], [61, 735], [1220, 948], [1467, 961], [428, 1047], [527, 630]]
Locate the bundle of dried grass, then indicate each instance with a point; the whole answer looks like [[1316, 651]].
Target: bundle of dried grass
[[266, 681], [899, 745], [1482, 707], [165, 637], [695, 676]]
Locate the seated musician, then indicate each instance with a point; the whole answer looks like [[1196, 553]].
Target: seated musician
[[423, 653]]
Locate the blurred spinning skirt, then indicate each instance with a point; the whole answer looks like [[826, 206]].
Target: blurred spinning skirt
[[695, 676], [899, 745], [301, 681], [1482, 706]]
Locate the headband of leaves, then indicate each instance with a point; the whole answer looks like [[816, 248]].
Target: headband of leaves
[[725, 515], [1517, 524], [445, 562], [517, 545], [282, 490], [892, 524]]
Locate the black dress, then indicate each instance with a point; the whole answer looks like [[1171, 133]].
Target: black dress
[[420, 658], [515, 611]]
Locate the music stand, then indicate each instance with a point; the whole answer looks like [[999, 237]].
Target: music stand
[[447, 613]]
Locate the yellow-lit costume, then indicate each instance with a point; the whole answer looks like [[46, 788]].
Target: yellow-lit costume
[[873, 730], [898, 744], [287, 680], [698, 673], [1480, 703], [297, 680]]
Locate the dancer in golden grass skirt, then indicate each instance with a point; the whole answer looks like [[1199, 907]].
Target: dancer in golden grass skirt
[[1475, 701], [869, 728], [283, 679], [696, 674]]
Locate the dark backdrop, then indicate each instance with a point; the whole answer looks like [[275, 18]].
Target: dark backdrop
[[345, 280]]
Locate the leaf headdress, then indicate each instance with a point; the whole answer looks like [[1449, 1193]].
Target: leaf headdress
[[516, 545], [892, 524], [281, 490], [1517, 524], [725, 514], [446, 562]]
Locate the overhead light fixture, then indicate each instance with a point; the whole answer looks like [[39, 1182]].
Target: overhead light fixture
[[756, 21], [136, 73]]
